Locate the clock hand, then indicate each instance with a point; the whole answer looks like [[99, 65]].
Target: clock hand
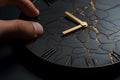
[[71, 29], [82, 23]]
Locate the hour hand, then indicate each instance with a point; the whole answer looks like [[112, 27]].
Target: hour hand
[[71, 29]]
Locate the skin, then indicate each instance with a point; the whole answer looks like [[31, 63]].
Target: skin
[[19, 28]]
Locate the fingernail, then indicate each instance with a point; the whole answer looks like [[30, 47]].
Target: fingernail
[[37, 12], [38, 28]]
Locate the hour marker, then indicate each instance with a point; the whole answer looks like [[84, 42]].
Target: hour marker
[[49, 2], [48, 53], [69, 60], [34, 1], [116, 55]]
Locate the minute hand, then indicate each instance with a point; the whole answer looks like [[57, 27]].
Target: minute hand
[[82, 23]]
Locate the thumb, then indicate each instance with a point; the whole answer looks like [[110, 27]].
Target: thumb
[[20, 29]]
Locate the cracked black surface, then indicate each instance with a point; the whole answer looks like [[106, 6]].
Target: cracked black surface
[[95, 46]]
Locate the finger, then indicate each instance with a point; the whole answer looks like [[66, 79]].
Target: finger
[[20, 29], [28, 8], [3, 3]]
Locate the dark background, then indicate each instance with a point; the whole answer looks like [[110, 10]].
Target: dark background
[[11, 69]]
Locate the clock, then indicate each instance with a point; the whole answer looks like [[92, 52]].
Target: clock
[[97, 45]]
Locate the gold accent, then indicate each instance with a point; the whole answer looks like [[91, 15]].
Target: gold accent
[[93, 4]]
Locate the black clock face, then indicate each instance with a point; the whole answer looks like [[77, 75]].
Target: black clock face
[[94, 46]]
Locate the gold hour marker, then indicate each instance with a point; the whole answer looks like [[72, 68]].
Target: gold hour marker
[[82, 23]]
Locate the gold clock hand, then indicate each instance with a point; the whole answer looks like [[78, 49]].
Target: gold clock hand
[[82, 23], [71, 29]]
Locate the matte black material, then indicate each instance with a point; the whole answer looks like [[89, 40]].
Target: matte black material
[[95, 46]]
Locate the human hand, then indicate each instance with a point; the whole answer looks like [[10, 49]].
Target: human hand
[[19, 28]]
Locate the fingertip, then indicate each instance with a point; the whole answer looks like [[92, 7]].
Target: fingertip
[[38, 28], [37, 12], [20, 29], [34, 14]]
